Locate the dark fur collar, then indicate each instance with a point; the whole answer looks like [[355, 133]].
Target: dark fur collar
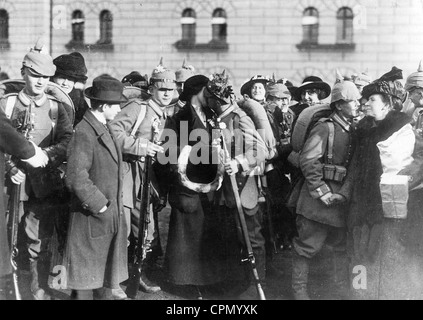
[[382, 130]]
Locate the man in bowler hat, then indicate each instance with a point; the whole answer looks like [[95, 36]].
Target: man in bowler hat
[[96, 253]]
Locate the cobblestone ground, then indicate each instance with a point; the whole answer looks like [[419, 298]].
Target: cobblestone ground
[[278, 282]]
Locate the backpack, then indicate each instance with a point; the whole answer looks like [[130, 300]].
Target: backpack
[[305, 122], [258, 115]]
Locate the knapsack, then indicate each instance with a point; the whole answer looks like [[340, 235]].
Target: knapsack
[[305, 122]]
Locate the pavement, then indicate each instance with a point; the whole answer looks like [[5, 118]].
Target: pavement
[[278, 279]]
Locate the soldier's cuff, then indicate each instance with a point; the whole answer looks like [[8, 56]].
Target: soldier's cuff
[[320, 191], [142, 147], [50, 153], [243, 162], [95, 203]]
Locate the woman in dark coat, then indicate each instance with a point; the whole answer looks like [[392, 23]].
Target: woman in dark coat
[[192, 253], [381, 269], [96, 253], [15, 144]]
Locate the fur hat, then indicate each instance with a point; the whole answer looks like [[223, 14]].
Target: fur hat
[[71, 66]]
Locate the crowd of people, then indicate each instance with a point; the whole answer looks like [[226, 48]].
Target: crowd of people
[[283, 166]]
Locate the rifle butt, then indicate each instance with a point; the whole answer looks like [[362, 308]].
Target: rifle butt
[[133, 283], [16, 286]]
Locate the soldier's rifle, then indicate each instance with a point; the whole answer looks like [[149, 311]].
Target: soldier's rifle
[[25, 128], [243, 224], [141, 248]]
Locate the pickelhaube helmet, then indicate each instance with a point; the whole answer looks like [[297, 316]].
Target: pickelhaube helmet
[[415, 80], [38, 62], [186, 72], [163, 77], [344, 89]]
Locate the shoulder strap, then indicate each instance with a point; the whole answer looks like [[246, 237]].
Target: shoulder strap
[[54, 112], [10, 105], [331, 138], [140, 118]]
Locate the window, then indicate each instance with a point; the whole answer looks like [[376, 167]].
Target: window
[[310, 24], [344, 25], [4, 25], [106, 27], [78, 21], [188, 23], [219, 26]]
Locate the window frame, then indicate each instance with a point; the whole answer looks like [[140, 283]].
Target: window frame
[[189, 25], [345, 25], [106, 28], [219, 25], [310, 30]]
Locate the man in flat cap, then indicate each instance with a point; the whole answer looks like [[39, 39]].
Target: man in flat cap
[[70, 75], [133, 129], [51, 130]]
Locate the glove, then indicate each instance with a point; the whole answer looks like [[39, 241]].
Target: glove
[[40, 159]]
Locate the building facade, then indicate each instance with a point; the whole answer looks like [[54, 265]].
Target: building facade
[[294, 39]]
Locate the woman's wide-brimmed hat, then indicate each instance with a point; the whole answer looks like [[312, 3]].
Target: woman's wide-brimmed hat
[[312, 82], [246, 87], [106, 89]]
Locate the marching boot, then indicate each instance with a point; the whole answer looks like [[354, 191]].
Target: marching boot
[[300, 269], [147, 288], [38, 293], [251, 292], [340, 275], [102, 294], [119, 294], [81, 295]]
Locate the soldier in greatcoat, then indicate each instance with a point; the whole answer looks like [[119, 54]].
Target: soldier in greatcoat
[[133, 129], [321, 206], [15, 144], [42, 188]]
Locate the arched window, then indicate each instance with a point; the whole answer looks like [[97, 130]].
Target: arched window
[[310, 24], [78, 21], [188, 23], [4, 25], [106, 27], [344, 27], [219, 25]]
